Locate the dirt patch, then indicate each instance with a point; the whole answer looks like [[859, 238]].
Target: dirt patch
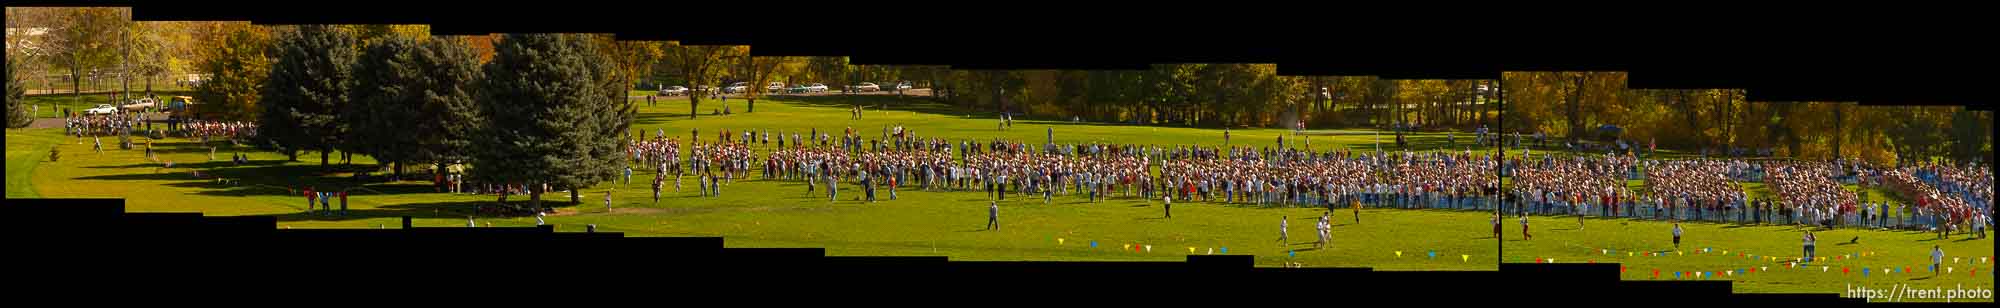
[[46, 123]]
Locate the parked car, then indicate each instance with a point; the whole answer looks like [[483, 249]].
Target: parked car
[[101, 109], [816, 87], [795, 89], [739, 87], [902, 85], [775, 87], [866, 87], [673, 90]]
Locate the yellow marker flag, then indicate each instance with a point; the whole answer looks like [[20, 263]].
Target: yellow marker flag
[[1628, 253], [1059, 241], [1467, 258], [1128, 247], [1399, 253], [1149, 248], [1682, 252], [1190, 249]]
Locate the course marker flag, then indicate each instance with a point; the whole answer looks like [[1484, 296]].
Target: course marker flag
[[1225, 250], [1149, 248], [1434, 254], [1864, 272], [1399, 253], [1127, 246], [1059, 241], [1190, 249], [1764, 268], [1093, 244], [1211, 250], [1467, 258], [1291, 253]]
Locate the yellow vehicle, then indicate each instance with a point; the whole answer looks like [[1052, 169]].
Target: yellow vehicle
[[184, 105]]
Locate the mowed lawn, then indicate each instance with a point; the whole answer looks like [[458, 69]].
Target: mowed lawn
[[777, 213], [1730, 247]]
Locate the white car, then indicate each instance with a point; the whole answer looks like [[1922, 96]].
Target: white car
[[101, 109], [775, 87], [739, 87], [673, 90], [902, 86], [816, 88], [867, 87]]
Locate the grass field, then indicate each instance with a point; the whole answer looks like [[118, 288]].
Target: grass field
[[760, 213], [1730, 247]]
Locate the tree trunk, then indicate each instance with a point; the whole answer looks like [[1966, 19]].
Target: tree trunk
[[535, 197], [1838, 133], [573, 197], [1576, 109], [694, 104], [323, 153]]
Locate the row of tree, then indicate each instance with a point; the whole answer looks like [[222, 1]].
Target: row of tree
[[1573, 104], [539, 109], [1214, 95], [82, 45]]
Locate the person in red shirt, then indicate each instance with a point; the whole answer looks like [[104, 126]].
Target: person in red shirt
[[311, 199]]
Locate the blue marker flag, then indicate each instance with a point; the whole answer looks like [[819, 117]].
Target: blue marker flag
[[1434, 254], [1225, 250], [1093, 244]]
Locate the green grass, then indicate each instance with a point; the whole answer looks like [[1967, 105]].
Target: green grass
[[1561, 239], [776, 213]]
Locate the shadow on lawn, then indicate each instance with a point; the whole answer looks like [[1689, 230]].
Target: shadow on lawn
[[264, 178], [452, 209]]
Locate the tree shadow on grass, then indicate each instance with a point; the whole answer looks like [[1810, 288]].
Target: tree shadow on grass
[[514, 208], [659, 118], [435, 210], [200, 165]]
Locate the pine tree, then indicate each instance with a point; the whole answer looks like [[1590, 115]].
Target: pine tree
[[550, 118], [308, 87], [17, 111], [388, 90]]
